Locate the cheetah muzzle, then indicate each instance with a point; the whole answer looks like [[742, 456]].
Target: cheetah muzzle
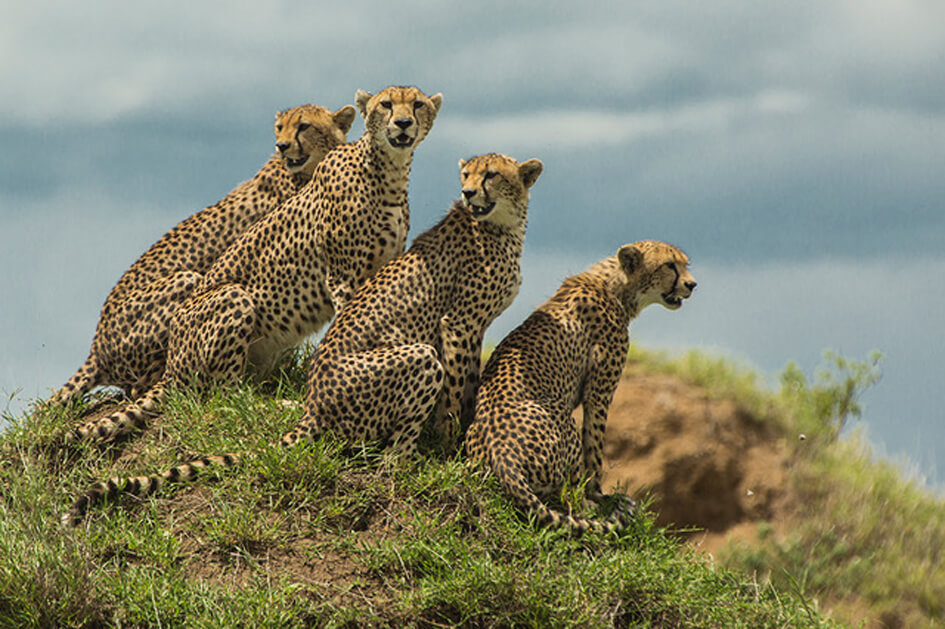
[[673, 299], [401, 140], [480, 210], [297, 163]]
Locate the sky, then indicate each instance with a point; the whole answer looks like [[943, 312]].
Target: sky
[[795, 150]]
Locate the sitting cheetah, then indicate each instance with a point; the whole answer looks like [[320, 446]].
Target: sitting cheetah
[[130, 342], [570, 351], [412, 336], [412, 333], [292, 270]]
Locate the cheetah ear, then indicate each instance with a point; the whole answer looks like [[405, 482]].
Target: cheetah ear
[[462, 163], [361, 99], [529, 171], [630, 258], [437, 100], [344, 117]]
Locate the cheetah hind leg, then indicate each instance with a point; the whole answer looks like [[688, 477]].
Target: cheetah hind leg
[[132, 340], [128, 350], [211, 336], [384, 394], [84, 380], [516, 486], [208, 343]]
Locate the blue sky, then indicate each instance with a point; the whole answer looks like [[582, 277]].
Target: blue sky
[[796, 151]]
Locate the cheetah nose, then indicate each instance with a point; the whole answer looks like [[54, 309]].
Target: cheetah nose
[[403, 123], [282, 146], [690, 285], [469, 194]]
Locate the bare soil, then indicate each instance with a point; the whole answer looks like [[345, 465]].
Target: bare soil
[[712, 469]]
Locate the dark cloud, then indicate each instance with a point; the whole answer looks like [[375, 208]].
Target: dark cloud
[[747, 133]]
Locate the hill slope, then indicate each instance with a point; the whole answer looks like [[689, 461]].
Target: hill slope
[[774, 492], [317, 535]]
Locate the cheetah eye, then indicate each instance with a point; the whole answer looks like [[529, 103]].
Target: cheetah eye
[[386, 104], [671, 266], [278, 127], [417, 105], [489, 174], [303, 126]]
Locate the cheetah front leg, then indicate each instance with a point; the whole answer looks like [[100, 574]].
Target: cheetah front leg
[[595, 420], [377, 395], [603, 375], [86, 378], [460, 349]]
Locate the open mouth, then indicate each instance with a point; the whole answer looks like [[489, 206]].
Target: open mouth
[[481, 210], [672, 300], [401, 140], [298, 162]]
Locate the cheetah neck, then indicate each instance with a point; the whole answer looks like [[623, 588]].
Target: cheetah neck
[[614, 285], [276, 179], [388, 174], [383, 159], [627, 295], [511, 234], [299, 180]]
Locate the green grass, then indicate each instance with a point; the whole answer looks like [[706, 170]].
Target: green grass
[[325, 536], [864, 537]]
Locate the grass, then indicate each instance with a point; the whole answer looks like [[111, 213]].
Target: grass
[[864, 537], [320, 535]]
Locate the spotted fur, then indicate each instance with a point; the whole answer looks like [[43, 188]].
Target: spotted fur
[[569, 352], [291, 271], [409, 341], [130, 343]]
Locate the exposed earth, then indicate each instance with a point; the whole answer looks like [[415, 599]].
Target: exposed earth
[[707, 463]]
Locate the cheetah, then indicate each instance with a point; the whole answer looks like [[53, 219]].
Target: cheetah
[[408, 343], [284, 278], [130, 342], [570, 351]]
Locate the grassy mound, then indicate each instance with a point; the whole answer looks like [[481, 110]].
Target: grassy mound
[[320, 535], [858, 537]]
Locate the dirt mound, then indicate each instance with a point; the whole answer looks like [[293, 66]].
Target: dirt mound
[[706, 462]]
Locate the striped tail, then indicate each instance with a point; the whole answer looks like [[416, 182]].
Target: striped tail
[[131, 418], [142, 486], [513, 482]]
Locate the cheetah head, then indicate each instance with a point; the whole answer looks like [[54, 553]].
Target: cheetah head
[[495, 187], [398, 117], [655, 273], [305, 134]]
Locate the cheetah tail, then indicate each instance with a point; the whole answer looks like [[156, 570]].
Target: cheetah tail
[[513, 482], [84, 380], [132, 417], [142, 486]]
